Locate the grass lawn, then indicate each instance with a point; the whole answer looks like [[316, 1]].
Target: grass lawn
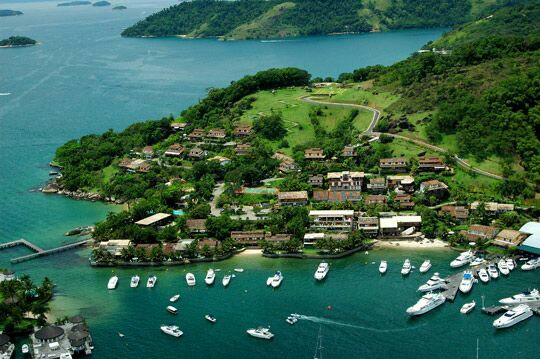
[[358, 95], [252, 199], [401, 148]]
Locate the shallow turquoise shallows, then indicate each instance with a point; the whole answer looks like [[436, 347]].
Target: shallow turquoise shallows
[[84, 78]]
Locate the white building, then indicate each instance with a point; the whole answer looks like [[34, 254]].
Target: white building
[[393, 226], [341, 220]]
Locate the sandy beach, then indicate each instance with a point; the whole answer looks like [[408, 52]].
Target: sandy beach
[[426, 244], [250, 252]]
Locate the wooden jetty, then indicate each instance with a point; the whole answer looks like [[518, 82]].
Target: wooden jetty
[[39, 252], [21, 242], [452, 286]]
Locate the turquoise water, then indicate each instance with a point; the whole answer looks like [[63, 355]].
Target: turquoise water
[[84, 78]]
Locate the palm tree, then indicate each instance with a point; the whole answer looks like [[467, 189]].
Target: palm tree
[[40, 310]]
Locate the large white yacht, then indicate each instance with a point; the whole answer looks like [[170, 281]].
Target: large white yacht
[[190, 279], [171, 330], [503, 267], [510, 264], [113, 281], [462, 259], [428, 302], [151, 282], [321, 271], [425, 266], [477, 261], [513, 316], [277, 279], [263, 333], [210, 277], [135, 281], [226, 280], [492, 271], [434, 283], [483, 275], [466, 282], [383, 267], [525, 297], [531, 265], [406, 269]]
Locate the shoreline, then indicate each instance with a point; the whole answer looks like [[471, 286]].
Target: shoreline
[[406, 244]]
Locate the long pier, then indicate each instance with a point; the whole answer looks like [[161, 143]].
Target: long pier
[[21, 242], [38, 251]]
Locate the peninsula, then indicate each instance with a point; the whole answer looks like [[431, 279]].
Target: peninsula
[[75, 3], [10, 13], [119, 7], [17, 41], [101, 3]]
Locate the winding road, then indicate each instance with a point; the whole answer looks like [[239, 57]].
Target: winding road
[[370, 132]]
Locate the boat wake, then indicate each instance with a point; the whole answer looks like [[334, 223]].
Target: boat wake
[[335, 322], [5, 93]]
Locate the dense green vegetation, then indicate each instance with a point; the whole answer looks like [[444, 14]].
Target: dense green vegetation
[[15, 41], [10, 13]]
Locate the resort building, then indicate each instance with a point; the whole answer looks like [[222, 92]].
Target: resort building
[[278, 238], [477, 231], [196, 225], [197, 153], [398, 164], [345, 181], [216, 134], [459, 213], [210, 243], [248, 238], [286, 163], [509, 238], [431, 164], [242, 149], [148, 152], [532, 243], [176, 126], [369, 225], [348, 151], [433, 187], [134, 166], [337, 196], [115, 246], [312, 238], [196, 135], [404, 201], [175, 150], [7, 274], [297, 198], [396, 225], [6, 347], [339, 220], [58, 341], [374, 199], [377, 185], [243, 131], [316, 181], [494, 208], [155, 220], [314, 154], [222, 160], [183, 245], [400, 183]]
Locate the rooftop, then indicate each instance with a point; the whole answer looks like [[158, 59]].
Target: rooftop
[[329, 213], [153, 219]]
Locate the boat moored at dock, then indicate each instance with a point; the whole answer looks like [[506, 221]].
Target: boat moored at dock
[[483, 275], [502, 265], [493, 272], [531, 264], [510, 264], [477, 261], [463, 259], [513, 316], [466, 282], [532, 296], [322, 271], [428, 302], [113, 282], [434, 283]]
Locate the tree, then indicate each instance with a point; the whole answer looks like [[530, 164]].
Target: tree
[[200, 211], [270, 126]]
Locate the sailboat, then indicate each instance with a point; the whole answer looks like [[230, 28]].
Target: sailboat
[[319, 347]]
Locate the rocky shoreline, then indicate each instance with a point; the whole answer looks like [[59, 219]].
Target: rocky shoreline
[[54, 187]]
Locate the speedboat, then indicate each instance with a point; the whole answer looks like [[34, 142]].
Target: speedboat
[[428, 302], [503, 267], [172, 310], [466, 282], [25, 349], [277, 279], [434, 283], [291, 320], [467, 307], [174, 298], [321, 271], [262, 333], [151, 282], [510, 264], [113, 281], [190, 279], [65, 356], [239, 270], [477, 261], [210, 277], [525, 297], [171, 330], [483, 275], [406, 269], [462, 259], [226, 280], [531, 264], [513, 316], [210, 318], [493, 272], [383, 267], [425, 266], [135, 281]]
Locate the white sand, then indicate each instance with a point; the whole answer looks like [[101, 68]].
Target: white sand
[[437, 243], [250, 252]]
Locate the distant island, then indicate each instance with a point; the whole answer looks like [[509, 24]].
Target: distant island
[[75, 3], [101, 3], [119, 7], [17, 41], [258, 19], [10, 12]]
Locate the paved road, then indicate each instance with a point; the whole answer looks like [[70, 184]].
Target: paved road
[[370, 132], [218, 190]]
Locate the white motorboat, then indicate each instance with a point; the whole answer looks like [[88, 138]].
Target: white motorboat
[[269, 281], [239, 270], [151, 282], [493, 272], [428, 302], [466, 282], [291, 320], [463, 259], [25, 349], [510, 264], [276, 280], [135, 281], [522, 298], [210, 318], [210, 277], [513, 316], [406, 269], [383, 267], [483, 275], [113, 282], [262, 333], [467, 307], [322, 271], [174, 298], [477, 261], [434, 283], [503, 267], [226, 280], [171, 330], [190, 279], [531, 264], [425, 266], [172, 310]]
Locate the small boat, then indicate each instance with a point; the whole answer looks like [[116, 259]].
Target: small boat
[[434, 283], [510, 264], [295, 315], [462, 259], [239, 270], [269, 281], [477, 261], [172, 310], [210, 277], [322, 271], [383, 267], [121, 335], [406, 269], [53, 173], [503, 267], [277, 279], [483, 275], [493, 272], [428, 302], [513, 316], [25, 349], [525, 297], [190, 279], [531, 264], [113, 281], [174, 298], [135, 281], [425, 266], [151, 282], [262, 333], [171, 330], [467, 307], [226, 280], [210, 318], [466, 282], [291, 320]]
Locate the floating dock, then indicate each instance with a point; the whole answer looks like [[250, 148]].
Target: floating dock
[[39, 252], [496, 309], [452, 284]]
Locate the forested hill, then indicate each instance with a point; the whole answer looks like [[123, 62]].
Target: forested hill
[[250, 19]]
